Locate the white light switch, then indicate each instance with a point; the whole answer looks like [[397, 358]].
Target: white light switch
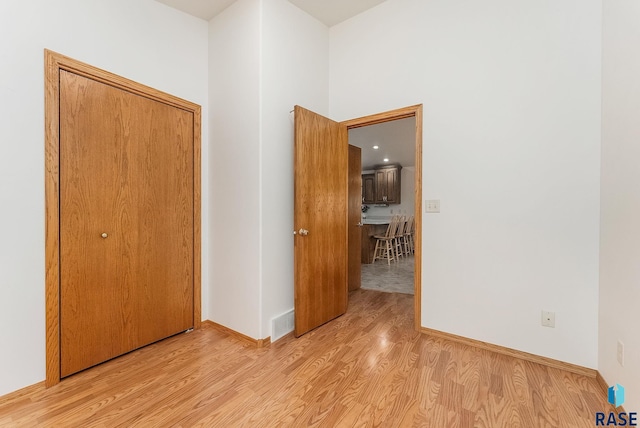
[[432, 205]]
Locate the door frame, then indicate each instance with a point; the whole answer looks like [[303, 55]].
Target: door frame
[[54, 62], [388, 116]]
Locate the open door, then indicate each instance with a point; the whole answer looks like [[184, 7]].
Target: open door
[[355, 217], [320, 220]]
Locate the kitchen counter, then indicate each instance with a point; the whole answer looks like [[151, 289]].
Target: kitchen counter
[[375, 221], [370, 228]]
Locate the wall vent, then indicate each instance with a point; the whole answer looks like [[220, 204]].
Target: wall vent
[[282, 325]]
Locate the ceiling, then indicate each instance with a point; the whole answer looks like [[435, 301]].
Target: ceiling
[[396, 139], [205, 9], [396, 142], [330, 12]]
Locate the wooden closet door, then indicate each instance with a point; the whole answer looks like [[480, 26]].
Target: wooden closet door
[[126, 221]]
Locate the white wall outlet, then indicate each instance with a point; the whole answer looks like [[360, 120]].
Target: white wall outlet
[[548, 319], [620, 353], [432, 205]]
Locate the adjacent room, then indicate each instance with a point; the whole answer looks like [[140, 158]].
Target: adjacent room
[[388, 204]]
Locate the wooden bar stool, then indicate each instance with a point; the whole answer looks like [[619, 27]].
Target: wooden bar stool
[[399, 236], [407, 236], [385, 243]]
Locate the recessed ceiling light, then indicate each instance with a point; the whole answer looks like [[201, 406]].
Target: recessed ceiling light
[[375, 147], [386, 159]]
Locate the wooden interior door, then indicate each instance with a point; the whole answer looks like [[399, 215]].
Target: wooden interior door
[[126, 221], [320, 219], [355, 217]]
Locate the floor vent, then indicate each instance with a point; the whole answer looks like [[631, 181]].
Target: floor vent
[[281, 325]]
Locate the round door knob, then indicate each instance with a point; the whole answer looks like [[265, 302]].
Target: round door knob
[[104, 235], [303, 232]]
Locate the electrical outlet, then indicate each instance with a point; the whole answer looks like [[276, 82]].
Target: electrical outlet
[[620, 353], [548, 319]]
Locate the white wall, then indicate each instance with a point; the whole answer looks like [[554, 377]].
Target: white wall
[[138, 47], [265, 57], [620, 198], [234, 92], [295, 70], [511, 92]]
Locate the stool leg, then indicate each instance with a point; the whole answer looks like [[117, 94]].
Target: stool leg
[[375, 251]]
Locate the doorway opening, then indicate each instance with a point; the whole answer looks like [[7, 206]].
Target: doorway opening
[[323, 209], [412, 117]]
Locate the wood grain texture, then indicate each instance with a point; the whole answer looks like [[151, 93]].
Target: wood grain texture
[[259, 343], [417, 288], [387, 116], [368, 240], [388, 184], [603, 383], [369, 368], [126, 172], [320, 206], [605, 389], [573, 368], [401, 113], [21, 393], [52, 217], [55, 64], [355, 216], [197, 215], [368, 189]]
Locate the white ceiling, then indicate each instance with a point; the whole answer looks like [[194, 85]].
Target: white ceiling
[[396, 140], [333, 12], [205, 9], [330, 12]]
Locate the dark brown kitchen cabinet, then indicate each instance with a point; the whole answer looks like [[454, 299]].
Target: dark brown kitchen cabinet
[[387, 184], [368, 189]]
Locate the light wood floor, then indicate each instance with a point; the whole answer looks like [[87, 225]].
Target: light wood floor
[[367, 368]]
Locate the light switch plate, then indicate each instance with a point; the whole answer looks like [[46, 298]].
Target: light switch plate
[[620, 353], [432, 205]]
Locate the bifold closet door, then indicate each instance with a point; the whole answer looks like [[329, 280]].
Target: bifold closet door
[[126, 221]]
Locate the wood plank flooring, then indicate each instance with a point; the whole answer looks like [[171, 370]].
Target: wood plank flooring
[[367, 368]]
